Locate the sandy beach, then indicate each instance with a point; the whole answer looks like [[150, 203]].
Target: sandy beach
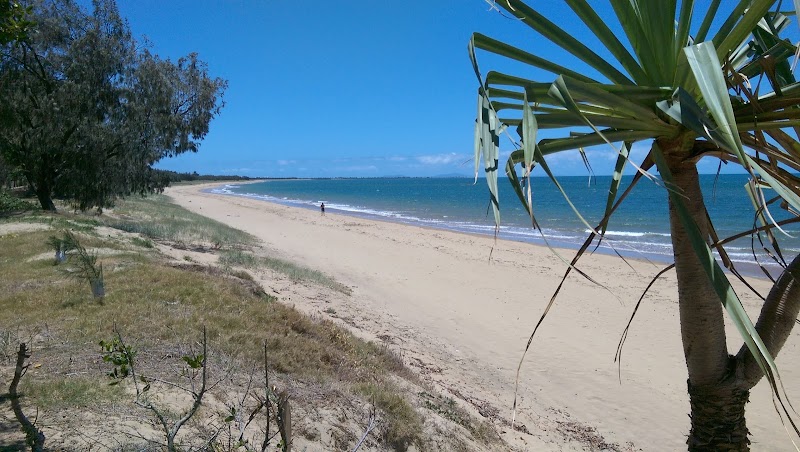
[[459, 308]]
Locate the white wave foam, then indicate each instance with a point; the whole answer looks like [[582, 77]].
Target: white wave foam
[[631, 233], [627, 242]]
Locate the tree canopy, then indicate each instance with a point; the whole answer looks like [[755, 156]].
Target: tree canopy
[[85, 111], [13, 21]]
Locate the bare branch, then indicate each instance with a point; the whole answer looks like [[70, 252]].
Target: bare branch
[[267, 438], [198, 397], [371, 424], [33, 436]]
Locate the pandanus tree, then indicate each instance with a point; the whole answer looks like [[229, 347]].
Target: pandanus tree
[[692, 83]]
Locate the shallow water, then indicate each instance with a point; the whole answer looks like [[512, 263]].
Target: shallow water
[[640, 227]]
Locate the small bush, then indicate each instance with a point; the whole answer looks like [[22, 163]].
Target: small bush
[[402, 424], [144, 243], [10, 203]]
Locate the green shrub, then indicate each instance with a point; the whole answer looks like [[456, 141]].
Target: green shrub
[[145, 243], [10, 203]]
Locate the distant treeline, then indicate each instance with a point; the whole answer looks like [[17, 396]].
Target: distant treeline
[[173, 176], [10, 179]]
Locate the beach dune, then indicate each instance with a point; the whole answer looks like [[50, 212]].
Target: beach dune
[[459, 308]]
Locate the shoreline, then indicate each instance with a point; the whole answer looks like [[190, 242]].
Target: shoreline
[[747, 269], [462, 319]]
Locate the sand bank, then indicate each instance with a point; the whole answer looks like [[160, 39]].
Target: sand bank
[[463, 319]]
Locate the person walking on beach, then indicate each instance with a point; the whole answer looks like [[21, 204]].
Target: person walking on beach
[[322, 208]]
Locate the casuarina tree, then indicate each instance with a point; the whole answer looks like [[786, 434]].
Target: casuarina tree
[[85, 111], [692, 83]]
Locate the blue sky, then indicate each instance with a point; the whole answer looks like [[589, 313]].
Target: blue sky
[[321, 88]]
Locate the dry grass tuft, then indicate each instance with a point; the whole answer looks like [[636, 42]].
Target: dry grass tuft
[[246, 259], [402, 434]]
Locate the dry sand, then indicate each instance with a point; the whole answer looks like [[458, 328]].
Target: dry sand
[[462, 319]]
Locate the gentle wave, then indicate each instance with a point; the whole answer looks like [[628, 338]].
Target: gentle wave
[[650, 245], [631, 233], [330, 206]]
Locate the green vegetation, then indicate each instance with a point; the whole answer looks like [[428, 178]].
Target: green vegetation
[[86, 110], [158, 219], [85, 266], [175, 177], [682, 85], [14, 23], [10, 203], [239, 258], [65, 393], [144, 243], [300, 273], [403, 433]]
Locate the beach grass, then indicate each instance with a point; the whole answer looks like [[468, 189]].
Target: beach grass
[[399, 434], [157, 218], [63, 220], [161, 306], [143, 242], [296, 272], [65, 393], [239, 258]]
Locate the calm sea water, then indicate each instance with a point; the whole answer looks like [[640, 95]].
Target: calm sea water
[[640, 228]]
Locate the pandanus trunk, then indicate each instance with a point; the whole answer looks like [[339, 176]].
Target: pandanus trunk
[[718, 421], [717, 402]]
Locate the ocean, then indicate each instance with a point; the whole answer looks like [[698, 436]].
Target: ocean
[[639, 229]]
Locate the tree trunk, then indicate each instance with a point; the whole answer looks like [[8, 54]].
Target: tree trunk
[[45, 200], [718, 422], [42, 186], [45, 196], [702, 325], [717, 403]]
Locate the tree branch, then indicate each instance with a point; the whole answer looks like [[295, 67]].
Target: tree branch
[[198, 397], [778, 315], [159, 416], [33, 436], [371, 424], [268, 403]]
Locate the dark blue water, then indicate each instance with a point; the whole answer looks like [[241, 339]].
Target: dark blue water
[[640, 227]]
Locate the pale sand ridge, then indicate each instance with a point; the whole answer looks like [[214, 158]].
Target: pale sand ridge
[[464, 321]]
